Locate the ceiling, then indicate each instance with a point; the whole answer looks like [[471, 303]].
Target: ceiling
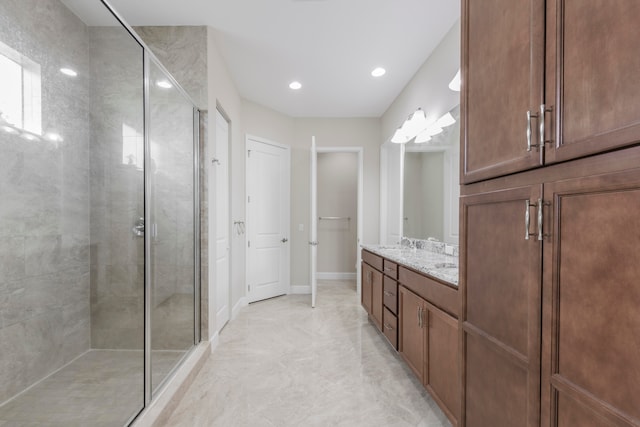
[[330, 46]]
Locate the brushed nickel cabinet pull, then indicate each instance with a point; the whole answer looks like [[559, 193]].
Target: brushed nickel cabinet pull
[[388, 294], [419, 318], [527, 219], [388, 327], [529, 116], [540, 205]]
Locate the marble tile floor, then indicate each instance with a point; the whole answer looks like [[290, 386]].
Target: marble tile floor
[[101, 388], [282, 363]]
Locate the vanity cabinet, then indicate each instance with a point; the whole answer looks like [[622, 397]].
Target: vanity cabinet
[[372, 286], [428, 343], [542, 82], [390, 302]]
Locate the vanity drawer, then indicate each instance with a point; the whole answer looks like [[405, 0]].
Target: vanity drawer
[[390, 294], [437, 293], [390, 269], [373, 260], [390, 327]]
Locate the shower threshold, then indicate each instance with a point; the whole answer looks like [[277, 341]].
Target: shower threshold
[[101, 388]]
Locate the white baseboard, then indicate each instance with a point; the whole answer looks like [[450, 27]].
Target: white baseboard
[[215, 340], [301, 289], [336, 276], [242, 302]]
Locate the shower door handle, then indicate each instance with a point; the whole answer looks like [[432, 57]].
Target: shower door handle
[[138, 228]]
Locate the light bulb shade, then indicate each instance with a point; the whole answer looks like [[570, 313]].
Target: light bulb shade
[[399, 137], [416, 123], [423, 137], [455, 83], [446, 120], [434, 129]]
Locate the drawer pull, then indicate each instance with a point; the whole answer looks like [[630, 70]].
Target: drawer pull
[[388, 327], [389, 269], [388, 294]]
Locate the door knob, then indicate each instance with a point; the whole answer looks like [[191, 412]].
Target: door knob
[[284, 240]]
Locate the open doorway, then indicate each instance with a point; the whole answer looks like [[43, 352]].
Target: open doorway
[[336, 218]]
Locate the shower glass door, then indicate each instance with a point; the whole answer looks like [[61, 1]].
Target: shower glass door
[[171, 213]]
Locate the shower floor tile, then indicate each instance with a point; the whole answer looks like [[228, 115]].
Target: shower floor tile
[[102, 388]]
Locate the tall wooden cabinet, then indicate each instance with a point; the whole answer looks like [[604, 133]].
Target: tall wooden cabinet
[[550, 320], [547, 81]]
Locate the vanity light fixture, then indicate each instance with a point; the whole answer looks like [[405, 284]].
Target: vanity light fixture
[[417, 126], [422, 137], [164, 84], [455, 83], [68, 72], [378, 72], [399, 137], [446, 120], [416, 123], [295, 85]]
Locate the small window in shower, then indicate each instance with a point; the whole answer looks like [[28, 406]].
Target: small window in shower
[[20, 85], [132, 147]]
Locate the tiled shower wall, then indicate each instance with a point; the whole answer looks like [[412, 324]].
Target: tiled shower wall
[[44, 203]]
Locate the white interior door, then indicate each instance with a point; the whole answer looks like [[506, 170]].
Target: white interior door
[[267, 219], [221, 171], [313, 223]]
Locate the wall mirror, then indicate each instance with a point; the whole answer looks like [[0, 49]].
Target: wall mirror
[[430, 183], [419, 187]]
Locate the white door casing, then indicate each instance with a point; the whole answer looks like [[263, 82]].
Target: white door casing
[[313, 221], [314, 213], [223, 241], [268, 211], [391, 193]]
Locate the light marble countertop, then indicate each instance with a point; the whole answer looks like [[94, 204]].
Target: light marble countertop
[[438, 265]]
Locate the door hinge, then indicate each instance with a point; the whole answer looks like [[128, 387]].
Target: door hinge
[[248, 153], [248, 243], [248, 199], [248, 288]]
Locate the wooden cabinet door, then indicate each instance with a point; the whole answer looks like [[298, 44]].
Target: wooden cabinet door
[[376, 298], [593, 76], [502, 79], [442, 377], [591, 310], [500, 281], [412, 333], [367, 280]]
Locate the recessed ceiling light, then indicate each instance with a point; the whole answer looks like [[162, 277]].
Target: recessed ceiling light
[[164, 84], [295, 85], [68, 72], [378, 72]]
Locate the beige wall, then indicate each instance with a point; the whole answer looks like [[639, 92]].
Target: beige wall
[[297, 132], [337, 197], [355, 132]]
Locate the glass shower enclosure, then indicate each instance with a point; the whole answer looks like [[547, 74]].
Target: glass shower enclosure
[[99, 215]]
